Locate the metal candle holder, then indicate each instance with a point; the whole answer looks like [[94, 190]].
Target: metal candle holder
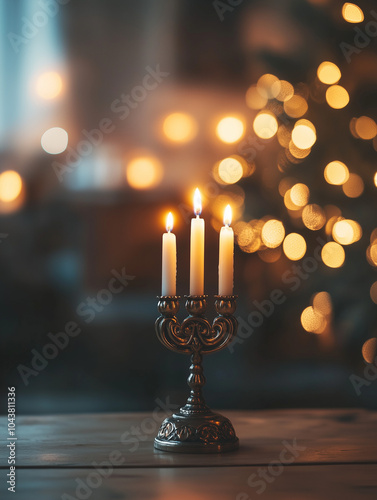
[[195, 428]]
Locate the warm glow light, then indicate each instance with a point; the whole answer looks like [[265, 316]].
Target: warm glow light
[[337, 97], [304, 134], [298, 152], [49, 85], [333, 254], [180, 127], [230, 129], [294, 246], [372, 256], [285, 92], [227, 216], [346, 232], [169, 222], [273, 233], [230, 170], [270, 254], [10, 185], [313, 217], [255, 98], [288, 201], [336, 173], [342, 232], [375, 179], [328, 73], [354, 186], [369, 350], [144, 172], [285, 184], [312, 320], [265, 125], [197, 202], [55, 140], [299, 194], [269, 85], [296, 106], [284, 134], [322, 303], [365, 128], [352, 13], [373, 292]]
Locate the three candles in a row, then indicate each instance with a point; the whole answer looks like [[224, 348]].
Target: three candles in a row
[[226, 254]]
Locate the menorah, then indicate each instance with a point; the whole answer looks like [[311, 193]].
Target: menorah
[[195, 428]]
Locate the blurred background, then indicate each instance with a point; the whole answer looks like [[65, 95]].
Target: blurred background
[[112, 113]]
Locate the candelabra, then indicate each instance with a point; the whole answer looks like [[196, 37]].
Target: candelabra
[[195, 428]]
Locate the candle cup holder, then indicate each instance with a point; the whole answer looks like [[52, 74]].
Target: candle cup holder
[[195, 428]]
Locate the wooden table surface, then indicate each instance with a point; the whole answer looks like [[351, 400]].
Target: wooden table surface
[[334, 456]]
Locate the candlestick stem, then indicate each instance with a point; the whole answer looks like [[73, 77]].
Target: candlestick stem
[[196, 380]]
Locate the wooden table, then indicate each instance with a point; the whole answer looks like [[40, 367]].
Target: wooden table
[[284, 454]]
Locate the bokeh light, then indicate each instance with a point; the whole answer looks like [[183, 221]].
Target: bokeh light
[[333, 254], [313, 321], [346, 232], [270, 255], [55, 140], [328, 73], [373, 292], [375, 179], [144, 172], [286, 90], [180, 127], [294, 246], [313, 217], [256, 99], [336, 173], [49, 85], [298, 152], [248, 235], [230, 170], [284, 135], [369, 350], [230, 129], [273, 233], [304, 134], [337, 97], [244, 233], [296, 106], [10, 186], [371, 254], [352, 13], [354, 186], [265, 125], [299, 194], [289, 203], [322, 303], [269, 85], [365, 127]]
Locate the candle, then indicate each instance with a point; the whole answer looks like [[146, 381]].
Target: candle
[[169, 259], [226, 255], [197, 249]]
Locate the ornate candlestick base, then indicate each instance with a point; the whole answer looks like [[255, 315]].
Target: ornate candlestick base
[[195, 428]]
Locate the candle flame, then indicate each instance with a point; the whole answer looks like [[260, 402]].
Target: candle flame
[[169, 222], [227, 215], [197, 202]]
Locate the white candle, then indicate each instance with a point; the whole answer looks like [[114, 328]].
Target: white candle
[[197, 249], [226, 255], [169, 259]]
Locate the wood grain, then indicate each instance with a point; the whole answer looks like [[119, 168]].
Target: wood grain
[[328, 436], [317, 482]]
